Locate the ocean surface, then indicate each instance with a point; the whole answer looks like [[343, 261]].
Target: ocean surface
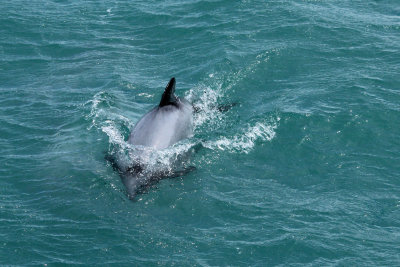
[[303, 171]]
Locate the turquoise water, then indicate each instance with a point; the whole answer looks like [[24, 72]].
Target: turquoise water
[[305, 170]]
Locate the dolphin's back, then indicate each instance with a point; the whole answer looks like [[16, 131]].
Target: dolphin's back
[[163, 126]]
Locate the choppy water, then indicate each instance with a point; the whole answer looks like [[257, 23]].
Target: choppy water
[[305, 170]]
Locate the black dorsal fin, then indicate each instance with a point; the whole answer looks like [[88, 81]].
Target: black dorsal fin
[[168, 97]]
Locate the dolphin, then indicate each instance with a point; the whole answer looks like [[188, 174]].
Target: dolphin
[[166, 124], [149, 159]]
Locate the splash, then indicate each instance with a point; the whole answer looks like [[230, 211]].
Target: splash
[[204, 99], [114, 135], [103, 112], [245, 142]]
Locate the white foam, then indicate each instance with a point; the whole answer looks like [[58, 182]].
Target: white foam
[[245, 142], [114, 136]]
